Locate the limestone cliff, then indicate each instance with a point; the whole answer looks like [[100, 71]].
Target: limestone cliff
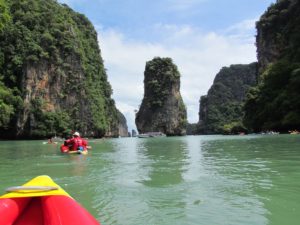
[[50, 58], [122, 127], [221, 110], [278, 33], [274, 104], [162, 108]]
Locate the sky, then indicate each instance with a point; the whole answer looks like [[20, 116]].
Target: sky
[[201, 37]]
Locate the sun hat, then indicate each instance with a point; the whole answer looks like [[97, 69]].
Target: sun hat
[[76, 134]]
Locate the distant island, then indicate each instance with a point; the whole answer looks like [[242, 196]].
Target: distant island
[[162, 108], [237, 102], [52, 77], [221, 110]]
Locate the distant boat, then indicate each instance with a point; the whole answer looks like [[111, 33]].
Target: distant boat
[[151, 134], [294, 132]]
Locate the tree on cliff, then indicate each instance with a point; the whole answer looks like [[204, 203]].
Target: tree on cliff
[[4, 14], [162, 107]]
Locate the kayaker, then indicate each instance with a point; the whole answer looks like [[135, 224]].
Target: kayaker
[[50, 141], [76, 143]]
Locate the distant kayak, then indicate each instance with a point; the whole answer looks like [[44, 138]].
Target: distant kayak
[[39, 202]]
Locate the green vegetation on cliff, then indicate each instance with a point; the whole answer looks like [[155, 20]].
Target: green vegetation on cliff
[[221, 110], [49, 43], [160, 76], [275, 104], [4, 14], [10, 102]]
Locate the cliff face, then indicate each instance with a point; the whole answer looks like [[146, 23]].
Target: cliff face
[[122, 127], [50, 59], [203, 110], [274, 104], [278, 33], [221, 109], [162, 108]]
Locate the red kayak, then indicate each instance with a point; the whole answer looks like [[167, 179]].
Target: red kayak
[[42, 202]]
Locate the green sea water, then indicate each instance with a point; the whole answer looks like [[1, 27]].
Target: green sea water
[[201, 180]]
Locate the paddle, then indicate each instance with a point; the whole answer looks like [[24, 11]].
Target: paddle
[[31, 188]]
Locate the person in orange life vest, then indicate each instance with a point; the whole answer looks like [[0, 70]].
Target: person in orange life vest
[[77, 143]]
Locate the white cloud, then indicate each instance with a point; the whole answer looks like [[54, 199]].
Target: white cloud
[[198, 55], [242, 31]]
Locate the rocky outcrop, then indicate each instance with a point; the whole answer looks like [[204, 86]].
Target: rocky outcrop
[[162, 108], [122, 127], [278, 33], [133, 133], [274, 104], [203, 109], [222, 108], [192, 129], [50, 58]]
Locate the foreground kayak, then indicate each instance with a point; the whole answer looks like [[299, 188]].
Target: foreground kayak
[[42, 202]]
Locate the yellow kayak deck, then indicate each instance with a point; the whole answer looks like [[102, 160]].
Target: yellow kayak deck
[[31, 188]]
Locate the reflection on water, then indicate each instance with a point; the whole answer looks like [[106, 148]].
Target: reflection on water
[[165, 165], [78, 165], [164, 161], [233, 170], [199, 180]]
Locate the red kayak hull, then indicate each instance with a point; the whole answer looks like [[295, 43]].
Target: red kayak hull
[[45, 210]]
